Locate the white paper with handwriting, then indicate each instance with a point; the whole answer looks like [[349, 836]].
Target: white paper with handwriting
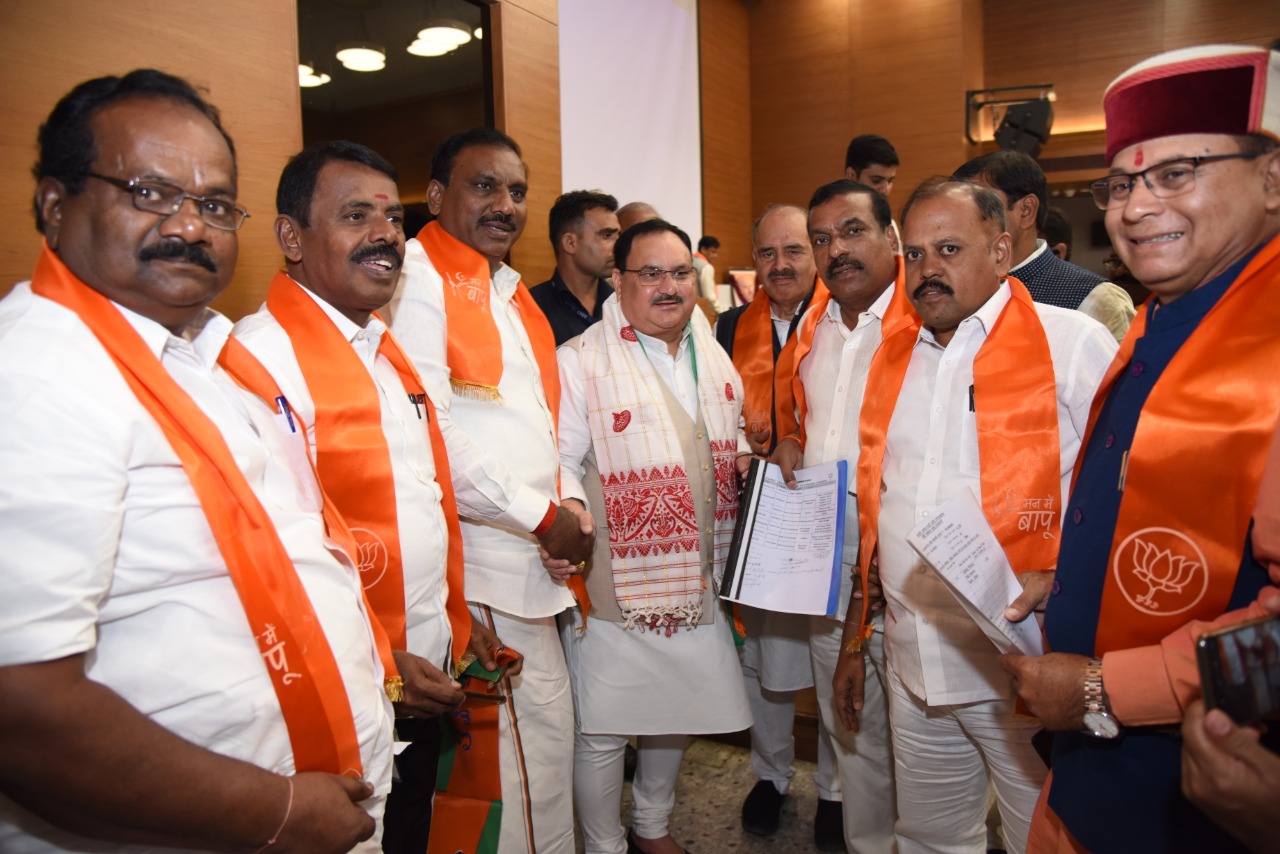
[[961, 547]]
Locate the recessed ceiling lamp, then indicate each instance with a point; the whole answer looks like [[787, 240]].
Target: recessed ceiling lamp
[[445, 31], [362, 56], [308, 78], [478, 32], [425, 48]]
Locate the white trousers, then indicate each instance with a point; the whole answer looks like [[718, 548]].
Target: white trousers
[[597, 788], [946, 757], [775, 664], [863, 759], [535, 732]]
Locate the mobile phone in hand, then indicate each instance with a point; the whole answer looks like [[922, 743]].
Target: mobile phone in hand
[[1240, 669]]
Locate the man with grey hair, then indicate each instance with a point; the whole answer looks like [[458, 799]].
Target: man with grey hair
[[775, 652], [1192, 203]]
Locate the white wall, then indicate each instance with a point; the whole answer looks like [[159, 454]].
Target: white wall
[[629, 111]]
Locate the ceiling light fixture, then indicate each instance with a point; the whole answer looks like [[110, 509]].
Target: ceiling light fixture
[[445, 31], [478, 32], [308, 78], [362, 56], [425, 48]]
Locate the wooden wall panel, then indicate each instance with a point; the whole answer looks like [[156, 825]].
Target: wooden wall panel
[[801, 93], [527, 106], [825, 71], [913, 62], [406, 134], [1082, 46], [1192, 22], [725, 82], [250, 73]]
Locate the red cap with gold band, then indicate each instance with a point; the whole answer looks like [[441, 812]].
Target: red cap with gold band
[[1228, 89]]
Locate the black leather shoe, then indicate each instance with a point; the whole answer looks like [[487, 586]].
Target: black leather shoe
[[762, 808], [828, 826]]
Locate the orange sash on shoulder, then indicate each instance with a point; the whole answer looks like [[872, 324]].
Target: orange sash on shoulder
[[474, 347], [793, 406], [1015, 403], [753, 357], [354, 463], [1197, 457], [474, 350], [295, 651]]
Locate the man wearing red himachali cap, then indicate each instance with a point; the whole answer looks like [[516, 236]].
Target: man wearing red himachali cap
[[1167, 533]]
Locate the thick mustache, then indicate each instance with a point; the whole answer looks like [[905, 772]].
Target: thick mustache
[[788, 273], [369, 252], [665, 299], [932, 283], [171, 249], [844, 260], [497, 216]]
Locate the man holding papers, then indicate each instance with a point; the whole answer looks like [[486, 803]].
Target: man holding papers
[[978, 388], [854, 247], [775, 653], [650, 443]]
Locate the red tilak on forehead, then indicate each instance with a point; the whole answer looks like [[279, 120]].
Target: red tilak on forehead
[[1137, 158], [381, 196]]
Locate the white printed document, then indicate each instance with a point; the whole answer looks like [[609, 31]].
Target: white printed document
[[961, 547], [787, 544]]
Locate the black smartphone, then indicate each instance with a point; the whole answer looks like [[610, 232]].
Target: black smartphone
[[1240, 669]]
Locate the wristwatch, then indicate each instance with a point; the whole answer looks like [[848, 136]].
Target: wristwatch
[[1098, 720]]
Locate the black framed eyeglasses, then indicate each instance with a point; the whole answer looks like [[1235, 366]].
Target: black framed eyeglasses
[[161, 197], [654, 275], [1164, 180]]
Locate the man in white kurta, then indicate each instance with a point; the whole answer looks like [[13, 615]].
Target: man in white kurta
[[122, 635], [855, 248], [500, 431], [649, 441], [340, 268], [953, 722]]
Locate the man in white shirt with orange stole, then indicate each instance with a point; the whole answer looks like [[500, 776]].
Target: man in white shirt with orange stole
[[185, 657], [856, 249], [377, 449], [486, 356], [978, 388]]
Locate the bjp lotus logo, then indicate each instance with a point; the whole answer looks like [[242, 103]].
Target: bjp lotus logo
[[1161, 571], [371, 556]]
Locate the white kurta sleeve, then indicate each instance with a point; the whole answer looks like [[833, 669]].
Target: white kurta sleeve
[[575, 432], [482, 484]]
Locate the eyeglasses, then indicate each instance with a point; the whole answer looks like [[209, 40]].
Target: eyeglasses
[[653, 275], [1164, 180], [161, 197]]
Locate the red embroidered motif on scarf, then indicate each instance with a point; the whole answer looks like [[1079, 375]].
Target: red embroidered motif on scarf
[[650, 512], [725, 455], [628, 334], [621, 420], [728, 391]]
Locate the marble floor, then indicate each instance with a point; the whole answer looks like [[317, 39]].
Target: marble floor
[[714, 779]]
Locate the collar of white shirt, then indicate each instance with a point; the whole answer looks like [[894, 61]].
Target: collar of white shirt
[[656, 346], [205, 336], [354, 333], [874, 312]]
